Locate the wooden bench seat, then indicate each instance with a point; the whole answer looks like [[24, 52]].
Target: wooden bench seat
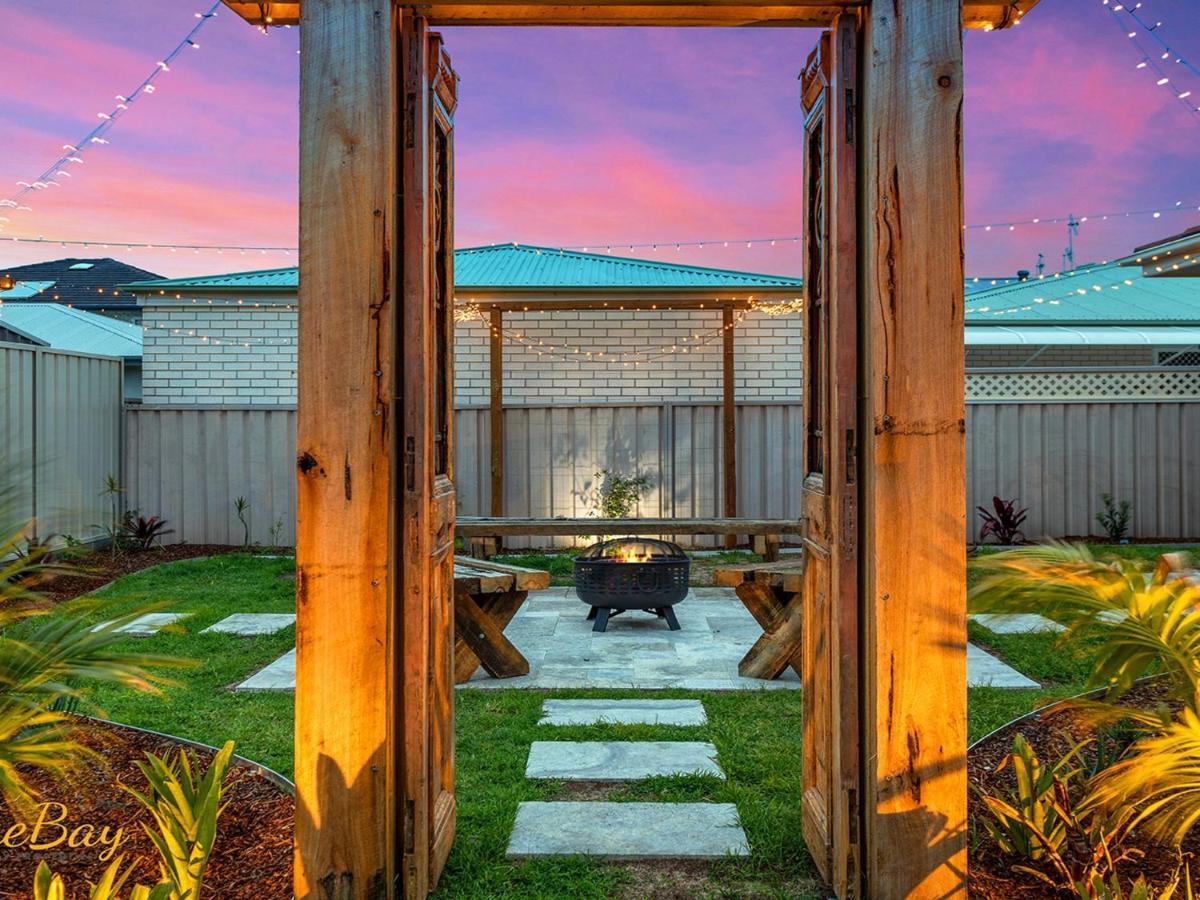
[[773, 593], [486, 597], [484, 533]]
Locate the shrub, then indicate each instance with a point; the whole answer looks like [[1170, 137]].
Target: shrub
[[143, 532], [1115, 518], [617, 495], [1005, 522]]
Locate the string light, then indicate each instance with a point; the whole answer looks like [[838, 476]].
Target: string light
[[73, 153], [146, 245], [1154, 31], [1148, 60]]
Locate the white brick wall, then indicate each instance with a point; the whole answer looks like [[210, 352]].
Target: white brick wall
[[766, 357], [181, 367], [224, 353]]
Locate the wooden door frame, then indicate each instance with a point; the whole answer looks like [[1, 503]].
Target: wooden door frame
[[912, 651]]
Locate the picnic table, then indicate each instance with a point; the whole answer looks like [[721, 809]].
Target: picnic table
[[773, 593], [486, 597], [484, 533]]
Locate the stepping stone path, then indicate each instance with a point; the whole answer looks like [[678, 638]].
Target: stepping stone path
[[249, 624], [623, 712], [1015, 623], [624, 831], [627, 831], [144, 626], [278, 676], [620, 760], [984, 670]]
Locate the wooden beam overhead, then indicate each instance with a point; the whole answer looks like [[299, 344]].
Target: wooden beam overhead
[[985, 14]]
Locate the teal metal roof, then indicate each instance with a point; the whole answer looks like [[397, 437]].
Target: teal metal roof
[[1090, 295], [23, 290], [63, 328], [521, 266], [518, 266], [283, 280]]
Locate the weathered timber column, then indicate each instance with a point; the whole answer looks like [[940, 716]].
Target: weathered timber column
[[728, 420], [347, 529], [496, 412], [913, 451]]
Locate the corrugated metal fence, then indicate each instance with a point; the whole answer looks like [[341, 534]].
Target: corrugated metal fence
[[60, 436], [190, 464]]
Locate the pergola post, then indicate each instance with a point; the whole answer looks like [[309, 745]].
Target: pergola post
[[348, 532], [728, 420], [496, 407], [912, 492]]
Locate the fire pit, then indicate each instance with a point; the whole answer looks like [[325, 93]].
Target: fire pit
[[632, 573]]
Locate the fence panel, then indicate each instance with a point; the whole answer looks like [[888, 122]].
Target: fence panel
[[189, 465], [61, 436], [1058, 459]]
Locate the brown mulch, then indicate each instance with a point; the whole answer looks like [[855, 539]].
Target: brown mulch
[[252, 858], [1048, 733], [98, 568]]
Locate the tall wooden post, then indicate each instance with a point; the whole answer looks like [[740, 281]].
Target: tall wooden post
[[347, 494], [496, 413], [729, 420], [913, 676]]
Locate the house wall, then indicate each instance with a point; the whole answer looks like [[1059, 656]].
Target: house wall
[[219, 351], [212, 351]]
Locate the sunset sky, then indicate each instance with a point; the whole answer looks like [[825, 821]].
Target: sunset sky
[[582, 136]]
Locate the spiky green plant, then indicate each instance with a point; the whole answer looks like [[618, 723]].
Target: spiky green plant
[[185, 807], [44, 663], [1144, 622]]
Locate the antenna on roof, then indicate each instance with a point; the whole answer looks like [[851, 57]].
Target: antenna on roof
[[1041, 264], [1069, 253]]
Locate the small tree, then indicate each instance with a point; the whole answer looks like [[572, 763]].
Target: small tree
[[1115, 518], [617, 496]]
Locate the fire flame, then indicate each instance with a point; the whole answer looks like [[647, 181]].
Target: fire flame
[[630, 553]]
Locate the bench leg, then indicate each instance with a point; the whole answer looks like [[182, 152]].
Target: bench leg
[[479, 636], [767, 546], [781, 621], [485, 547]]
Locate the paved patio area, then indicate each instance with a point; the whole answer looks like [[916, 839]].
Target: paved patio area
[[638, 650]]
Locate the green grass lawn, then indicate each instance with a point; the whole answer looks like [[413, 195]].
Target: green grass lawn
[[757, 735]]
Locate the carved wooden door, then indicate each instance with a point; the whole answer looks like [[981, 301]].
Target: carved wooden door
[[830, 648], [426, 614]]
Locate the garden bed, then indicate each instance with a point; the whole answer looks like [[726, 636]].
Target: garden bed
[[1049, 732], [252, 857]]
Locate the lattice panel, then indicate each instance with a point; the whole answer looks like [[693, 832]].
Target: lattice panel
[[1083, 386]]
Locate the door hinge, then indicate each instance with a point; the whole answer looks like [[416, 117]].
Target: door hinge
[[410, 827], [851, 457], [410, 462], [850, 116]]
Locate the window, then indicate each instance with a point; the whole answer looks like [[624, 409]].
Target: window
[[78, 266]]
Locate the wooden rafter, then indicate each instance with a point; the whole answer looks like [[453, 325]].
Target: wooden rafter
[[986, 14]]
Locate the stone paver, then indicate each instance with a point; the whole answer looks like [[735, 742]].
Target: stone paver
[[552, 631], [627, 831], [623, 712], [1016, 623], [253, 623], [144, 626], [984, 670], [620, 760], [278, 676]]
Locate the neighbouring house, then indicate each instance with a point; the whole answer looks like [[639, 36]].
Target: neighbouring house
[[1105, 318], [59, 327], [93, 285], [1177, 256], [232, 338]]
